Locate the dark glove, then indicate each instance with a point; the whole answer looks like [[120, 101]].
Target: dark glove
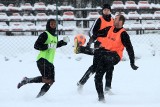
[[134, 67], [88, 45], [97, 44], [61, 43]]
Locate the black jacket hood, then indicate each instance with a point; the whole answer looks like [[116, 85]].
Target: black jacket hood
[[49, 29]]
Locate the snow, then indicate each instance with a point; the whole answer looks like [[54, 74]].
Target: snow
[[131, 88]]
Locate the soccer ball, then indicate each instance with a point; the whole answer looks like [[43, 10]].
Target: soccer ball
[[81, 39]]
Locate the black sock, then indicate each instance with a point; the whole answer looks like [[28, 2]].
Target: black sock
[[43, 90], [35, 80]]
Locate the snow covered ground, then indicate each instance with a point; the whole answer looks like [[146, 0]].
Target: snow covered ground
[[131, 88]]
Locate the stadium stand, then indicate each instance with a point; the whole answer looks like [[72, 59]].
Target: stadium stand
[[32, 14]]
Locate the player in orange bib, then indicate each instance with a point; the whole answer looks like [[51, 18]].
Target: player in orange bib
[[110, 52], [102, 22]]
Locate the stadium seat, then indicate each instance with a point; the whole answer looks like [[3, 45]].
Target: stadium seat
[[136, 26], [144, 5], [127, 26], [157, 26], [55, 17], [148, 26], [131, 5], [26, 6], [51, 7], [2, 7], [146, 16], [41, 17], [30, 27], [15, 17], [156, 15], [11, 7], [93, 15], [118, 5], [65, 8], [28, 17], [155, 6], [17, 27], [133, 15], [41, 27], [4, 27], [39, 6], [4, 17], [68, 15], [122, 13]]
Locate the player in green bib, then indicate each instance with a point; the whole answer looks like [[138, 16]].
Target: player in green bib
[[46, 43]]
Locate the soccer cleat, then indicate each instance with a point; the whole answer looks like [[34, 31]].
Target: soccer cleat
[[44, 89], [101, 99], [23, 82], [41, 93], [76, 45], [108, 91], [80, 87]]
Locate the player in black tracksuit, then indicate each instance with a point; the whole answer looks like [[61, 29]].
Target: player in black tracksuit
[[105, 59], [87, 50], [45, 67]]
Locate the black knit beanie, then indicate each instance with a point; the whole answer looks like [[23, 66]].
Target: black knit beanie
[[106, 6]]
